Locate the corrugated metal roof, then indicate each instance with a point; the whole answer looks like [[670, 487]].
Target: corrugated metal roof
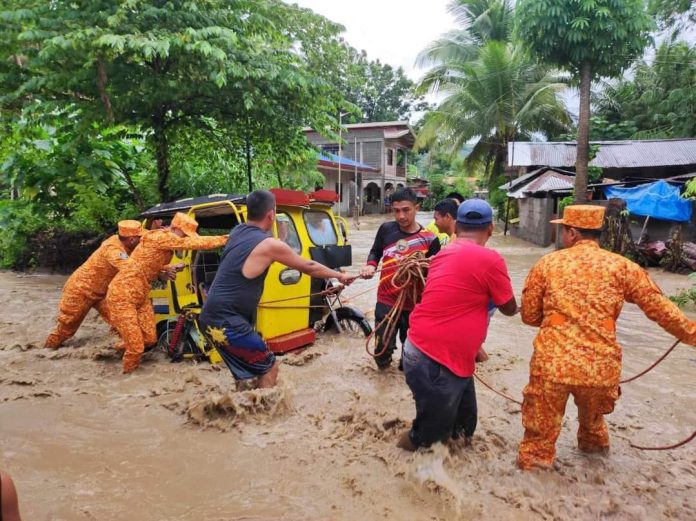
[[550, 181], [523, 179], [611, 154], [543, 180]]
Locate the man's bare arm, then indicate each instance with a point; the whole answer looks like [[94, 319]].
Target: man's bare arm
[[272, 250], [509, 308]]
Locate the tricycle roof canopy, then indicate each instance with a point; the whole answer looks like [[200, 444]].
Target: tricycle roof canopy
[[184, 205], [283, 197]]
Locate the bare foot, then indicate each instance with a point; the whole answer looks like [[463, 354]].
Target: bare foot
[[270, 378]]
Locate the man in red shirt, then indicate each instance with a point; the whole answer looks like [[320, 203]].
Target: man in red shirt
[[448, 327]]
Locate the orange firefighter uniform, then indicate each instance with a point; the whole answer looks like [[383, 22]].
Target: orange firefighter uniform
[[575, 296], [87, 286], [128, 300]]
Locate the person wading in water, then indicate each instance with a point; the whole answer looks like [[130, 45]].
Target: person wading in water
[[230, 310]]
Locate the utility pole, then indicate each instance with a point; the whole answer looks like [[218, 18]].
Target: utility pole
[[340, 188], [358, 189]]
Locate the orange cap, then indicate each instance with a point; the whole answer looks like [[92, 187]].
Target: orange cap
[[130, 228], [585, 216], [185, 223]]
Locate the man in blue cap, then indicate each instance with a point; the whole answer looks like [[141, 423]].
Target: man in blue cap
[[439, 366]]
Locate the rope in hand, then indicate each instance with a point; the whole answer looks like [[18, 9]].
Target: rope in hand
[[409, 279]]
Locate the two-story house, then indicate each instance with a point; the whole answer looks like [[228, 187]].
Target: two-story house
[[385, 146]]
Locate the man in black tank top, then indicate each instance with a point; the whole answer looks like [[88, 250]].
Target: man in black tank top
[[230, 309]]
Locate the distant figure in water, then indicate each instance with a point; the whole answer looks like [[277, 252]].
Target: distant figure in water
[[575, 296], [229, 312], [9, 504]]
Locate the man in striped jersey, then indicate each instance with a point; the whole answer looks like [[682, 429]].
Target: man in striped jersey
[[396, 240]]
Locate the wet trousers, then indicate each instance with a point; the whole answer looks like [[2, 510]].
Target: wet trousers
[[72, 310], [542, 415], [445, 403], [132, 316], [401, 330]]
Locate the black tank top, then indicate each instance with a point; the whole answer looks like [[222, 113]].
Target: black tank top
[[233, 298]]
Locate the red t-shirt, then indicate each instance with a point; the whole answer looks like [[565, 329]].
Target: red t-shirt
[[449, 324]]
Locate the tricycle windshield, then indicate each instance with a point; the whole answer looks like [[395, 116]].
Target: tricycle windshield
[[320, 228], [287, 232]]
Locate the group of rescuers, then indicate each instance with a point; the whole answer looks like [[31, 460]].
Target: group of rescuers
[[574, 296]]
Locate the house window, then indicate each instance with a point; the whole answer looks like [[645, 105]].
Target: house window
[[400, 157], [390, 156], [330, 149]]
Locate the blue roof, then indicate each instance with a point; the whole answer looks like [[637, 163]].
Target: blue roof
[[344, 161]]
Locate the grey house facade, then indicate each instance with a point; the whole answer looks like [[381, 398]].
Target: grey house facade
[[384, 146]]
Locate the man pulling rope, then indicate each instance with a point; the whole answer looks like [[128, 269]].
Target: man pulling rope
[[575, 296]]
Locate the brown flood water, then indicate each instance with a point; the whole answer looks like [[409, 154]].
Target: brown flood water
[[173, 442]]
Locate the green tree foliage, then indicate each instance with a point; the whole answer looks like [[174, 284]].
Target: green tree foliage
[[444, 173], [659, 101], [589, 38], [163, 65], [675, 15], [383, 93], [493, 91], [500, 96], [479, 22]]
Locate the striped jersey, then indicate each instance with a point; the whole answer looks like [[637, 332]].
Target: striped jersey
[[392, 244]]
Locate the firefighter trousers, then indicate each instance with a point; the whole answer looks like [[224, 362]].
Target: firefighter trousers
[[542, 415], [72, 310], [132, 316]]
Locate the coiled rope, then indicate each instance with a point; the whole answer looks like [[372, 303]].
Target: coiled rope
[[409, 279]]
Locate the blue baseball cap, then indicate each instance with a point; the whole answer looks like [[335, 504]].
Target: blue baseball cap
[[475, 212]]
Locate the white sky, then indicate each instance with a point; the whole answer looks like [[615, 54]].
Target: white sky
[[393, 31]]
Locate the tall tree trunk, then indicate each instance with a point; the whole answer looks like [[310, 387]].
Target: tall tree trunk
[[162, 155], [101, 84], [583, 142], [134, 189], [247, 146]]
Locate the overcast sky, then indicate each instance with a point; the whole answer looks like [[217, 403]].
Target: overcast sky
[[393, 31]]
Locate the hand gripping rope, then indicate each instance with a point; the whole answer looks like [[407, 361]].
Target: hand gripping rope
[[409, 279]]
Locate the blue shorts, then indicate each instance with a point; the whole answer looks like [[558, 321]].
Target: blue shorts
[[246, 354]]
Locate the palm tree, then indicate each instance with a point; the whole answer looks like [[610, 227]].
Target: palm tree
[[499, 96], [480, 21]]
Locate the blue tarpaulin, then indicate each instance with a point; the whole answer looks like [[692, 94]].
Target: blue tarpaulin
[[658, 200]]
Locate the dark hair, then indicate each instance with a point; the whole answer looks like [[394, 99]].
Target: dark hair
[[259, 203], [446, 206], [471, 227], [587, 234], [456, 195], [404, 194]]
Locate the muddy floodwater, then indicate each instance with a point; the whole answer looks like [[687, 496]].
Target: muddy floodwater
[[175, 442]]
